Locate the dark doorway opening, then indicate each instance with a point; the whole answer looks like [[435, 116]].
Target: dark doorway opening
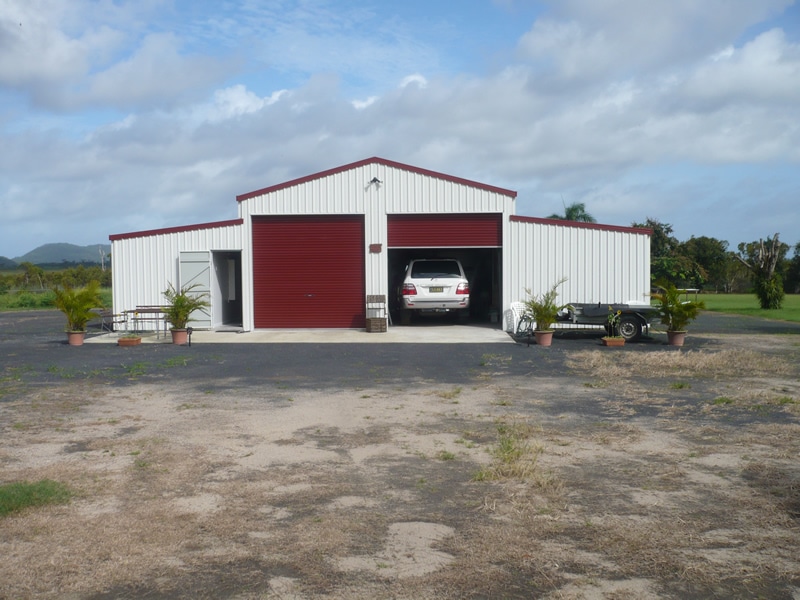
[[227, 292], [483, 268]]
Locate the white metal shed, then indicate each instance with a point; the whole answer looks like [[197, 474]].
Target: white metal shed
[[306, 253]]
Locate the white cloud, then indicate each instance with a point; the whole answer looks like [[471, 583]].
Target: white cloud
[[589, 40], [765, 70], [362, 104], [416, 79], [63, 63], [233, 102], [618, 107], [35, 50], [155, 75], [363, 43]]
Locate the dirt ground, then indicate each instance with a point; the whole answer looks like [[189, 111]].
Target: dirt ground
[[625, 474]]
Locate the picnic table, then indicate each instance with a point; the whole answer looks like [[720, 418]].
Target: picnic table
[[148, 314]]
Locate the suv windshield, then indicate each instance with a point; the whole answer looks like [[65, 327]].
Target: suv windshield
[[435, 268]]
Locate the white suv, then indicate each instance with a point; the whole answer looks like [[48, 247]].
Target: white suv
[[435, 285]]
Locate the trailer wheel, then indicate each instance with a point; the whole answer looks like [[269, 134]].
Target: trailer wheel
[[630, 327]]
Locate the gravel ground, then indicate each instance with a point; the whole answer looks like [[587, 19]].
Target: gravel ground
[[34, 346], [441, 471]]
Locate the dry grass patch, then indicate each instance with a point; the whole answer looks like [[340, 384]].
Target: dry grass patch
[[493, 561], [613, 434], [695, 554], [664, 550], [515, 456], [49, 410], [61, 549], [779, 484], [672, 364], [450, 394], [758, 400], [780, 440]]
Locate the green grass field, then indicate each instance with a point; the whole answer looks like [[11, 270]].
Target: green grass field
[[747, 304], [39, 300]]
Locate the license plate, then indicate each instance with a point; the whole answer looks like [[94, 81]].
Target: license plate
[[436, 290]]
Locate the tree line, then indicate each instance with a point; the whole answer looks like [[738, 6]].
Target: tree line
[[35, 278], [706, 263]]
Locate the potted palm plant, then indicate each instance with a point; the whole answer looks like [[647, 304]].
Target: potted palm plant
[[544, 310], [675, 313], [77, 304], [181, 303]]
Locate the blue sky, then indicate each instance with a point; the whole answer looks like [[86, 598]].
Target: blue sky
[[120, 116]]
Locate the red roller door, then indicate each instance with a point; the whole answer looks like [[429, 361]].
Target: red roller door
[[445, 231], [308, 271]]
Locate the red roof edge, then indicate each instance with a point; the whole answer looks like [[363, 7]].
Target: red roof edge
[[379, 161], [149, 232], [581, 225]]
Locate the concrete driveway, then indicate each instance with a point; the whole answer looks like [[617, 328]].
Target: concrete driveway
[[433, 333]]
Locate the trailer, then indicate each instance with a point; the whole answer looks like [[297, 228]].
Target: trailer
[[634, 319]]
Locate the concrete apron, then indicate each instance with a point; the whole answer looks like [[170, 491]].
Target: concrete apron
[[412, 334]]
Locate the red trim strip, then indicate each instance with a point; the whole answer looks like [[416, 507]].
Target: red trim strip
[[581, 225], [379, 161], [149, 232]]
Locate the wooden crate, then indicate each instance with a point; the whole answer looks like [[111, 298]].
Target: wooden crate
[[376, 324]]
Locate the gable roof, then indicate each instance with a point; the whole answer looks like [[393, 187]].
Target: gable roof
[[581, 225], [378, 161], [197, 227]]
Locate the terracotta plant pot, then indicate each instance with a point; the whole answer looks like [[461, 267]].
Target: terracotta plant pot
[[613, 341], [543, 338], [676, 338], [75, 338], [129, 341], [180, 336]]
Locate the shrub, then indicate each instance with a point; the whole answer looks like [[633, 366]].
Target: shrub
[[769, 291], [27, 300], [77, 304]]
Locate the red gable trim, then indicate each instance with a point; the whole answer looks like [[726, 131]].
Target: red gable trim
[[137, 234], [378, 161], [581, 225]]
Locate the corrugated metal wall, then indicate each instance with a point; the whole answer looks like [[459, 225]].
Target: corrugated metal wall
[[400, 191], [143, 266], [600, 264]]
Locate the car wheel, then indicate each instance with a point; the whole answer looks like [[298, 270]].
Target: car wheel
[[630, 327]]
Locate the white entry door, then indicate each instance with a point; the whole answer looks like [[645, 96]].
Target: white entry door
[[195, 270]]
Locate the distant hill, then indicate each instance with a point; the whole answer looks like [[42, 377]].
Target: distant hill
[[7, 264], [58, 253]]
